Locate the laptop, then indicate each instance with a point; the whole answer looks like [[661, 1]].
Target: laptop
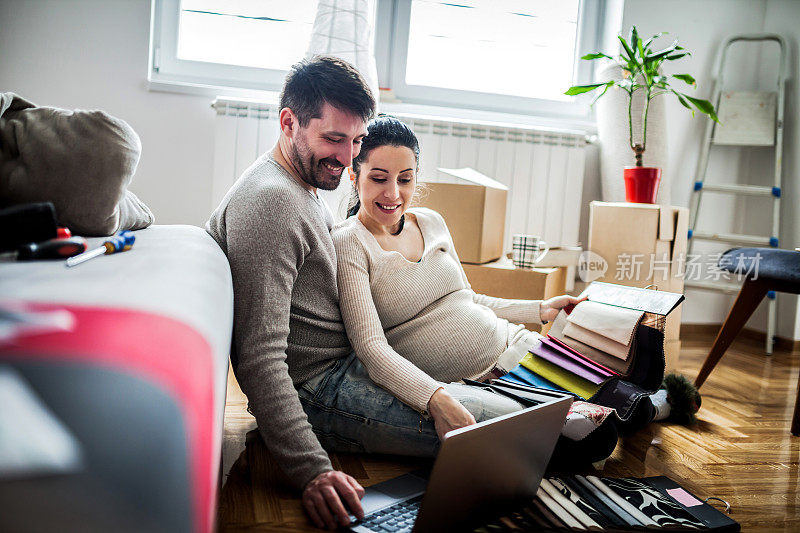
[[479, 469]]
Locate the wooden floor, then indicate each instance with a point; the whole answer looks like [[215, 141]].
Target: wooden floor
[[741, 449]]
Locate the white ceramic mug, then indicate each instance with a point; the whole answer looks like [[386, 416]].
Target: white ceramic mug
[[527, 250]]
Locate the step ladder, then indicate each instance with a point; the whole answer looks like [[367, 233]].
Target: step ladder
[[747, 119]]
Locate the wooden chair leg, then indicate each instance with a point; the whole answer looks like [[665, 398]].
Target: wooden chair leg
[[796, 416], [751, 294]]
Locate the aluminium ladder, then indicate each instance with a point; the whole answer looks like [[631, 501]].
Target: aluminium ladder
[[751, 119]]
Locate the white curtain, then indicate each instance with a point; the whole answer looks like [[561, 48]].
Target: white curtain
[[344, 28]]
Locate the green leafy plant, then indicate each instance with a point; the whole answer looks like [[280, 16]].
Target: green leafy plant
[[640, 68]]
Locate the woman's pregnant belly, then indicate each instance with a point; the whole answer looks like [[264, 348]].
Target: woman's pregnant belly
[[452, 338]]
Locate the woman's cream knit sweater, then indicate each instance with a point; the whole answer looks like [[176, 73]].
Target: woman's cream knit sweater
[[415, 325]]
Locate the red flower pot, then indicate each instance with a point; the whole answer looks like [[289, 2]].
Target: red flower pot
[[641, 184]]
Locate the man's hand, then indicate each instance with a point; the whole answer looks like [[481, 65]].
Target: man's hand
[[322, 499], [548, 309], [448, 413]]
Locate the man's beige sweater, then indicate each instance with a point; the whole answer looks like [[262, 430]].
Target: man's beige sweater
[[416, 325]]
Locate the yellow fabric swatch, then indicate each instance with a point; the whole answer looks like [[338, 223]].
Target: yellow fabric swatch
[[559, 376]]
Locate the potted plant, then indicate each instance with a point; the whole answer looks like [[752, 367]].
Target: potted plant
[[641, 72]]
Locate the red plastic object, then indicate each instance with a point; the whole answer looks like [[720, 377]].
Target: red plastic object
[[64, 233], [641, 184], [157, 347], [53, 249]]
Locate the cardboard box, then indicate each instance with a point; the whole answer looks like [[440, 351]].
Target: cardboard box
[[643, 244], [561, 256], [475, 212], [672, 355], [502, 280], [672, 329]]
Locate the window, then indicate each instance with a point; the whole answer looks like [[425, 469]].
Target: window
[[515, 56], [496, 46], [238, 43], [268, 35], [504, 55]]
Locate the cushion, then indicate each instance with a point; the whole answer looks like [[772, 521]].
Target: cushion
[[768, 263], [82, 161]]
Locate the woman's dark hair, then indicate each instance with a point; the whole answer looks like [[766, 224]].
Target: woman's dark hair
[[384, 130], [312, 82]]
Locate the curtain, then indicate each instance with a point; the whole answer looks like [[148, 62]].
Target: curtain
[[344, 28]]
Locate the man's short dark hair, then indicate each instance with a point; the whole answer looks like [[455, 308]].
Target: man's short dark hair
[[312, 82]]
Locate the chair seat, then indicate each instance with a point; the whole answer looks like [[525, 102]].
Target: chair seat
[[767, 263]]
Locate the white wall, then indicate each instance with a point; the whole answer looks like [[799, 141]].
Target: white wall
[[782, 17], [701, 27], [93, 54]]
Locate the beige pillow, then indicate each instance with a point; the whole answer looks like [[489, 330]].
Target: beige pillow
[[82, 161]]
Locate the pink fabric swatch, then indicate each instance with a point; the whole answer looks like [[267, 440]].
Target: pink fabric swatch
[[683, 497]]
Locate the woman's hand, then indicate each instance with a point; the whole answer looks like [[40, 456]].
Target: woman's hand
[[548, 309], [447, 413]]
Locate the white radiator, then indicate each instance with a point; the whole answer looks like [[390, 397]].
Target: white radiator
[[543, 169]]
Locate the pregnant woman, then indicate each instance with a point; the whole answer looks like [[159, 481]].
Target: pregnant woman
[[414, 322]]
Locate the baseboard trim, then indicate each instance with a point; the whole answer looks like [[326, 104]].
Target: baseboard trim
[[781, 343]]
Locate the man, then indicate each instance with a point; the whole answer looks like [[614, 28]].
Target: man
[[275, 230]]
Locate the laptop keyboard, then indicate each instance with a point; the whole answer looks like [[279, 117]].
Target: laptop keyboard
[[398, 518]]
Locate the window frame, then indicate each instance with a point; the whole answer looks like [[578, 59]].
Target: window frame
[[168, 73], [166, 69], [393, 19]]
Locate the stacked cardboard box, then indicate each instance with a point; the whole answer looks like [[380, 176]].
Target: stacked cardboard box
[[643, 244], [502, 280], [475, 212]]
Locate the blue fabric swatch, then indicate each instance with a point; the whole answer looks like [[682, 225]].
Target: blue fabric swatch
[[520, 374]]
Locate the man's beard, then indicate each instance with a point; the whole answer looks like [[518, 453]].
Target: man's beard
[[310, 168]]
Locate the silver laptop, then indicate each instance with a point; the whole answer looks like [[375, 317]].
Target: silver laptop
[[479, 468]]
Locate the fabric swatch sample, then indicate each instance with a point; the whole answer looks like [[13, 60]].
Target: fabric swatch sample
[[652, 503], [614, 323], [560, 377], [568, 363], [621, 513], [583, 418], [615, 521], [622, 502], [562, 514], [522, 393], [522, 375], [596, 340], [683, 497], [570, 506], [580, 503], [621, 366], [579, 357]]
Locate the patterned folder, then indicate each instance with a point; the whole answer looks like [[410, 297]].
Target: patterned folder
[[578, 503]]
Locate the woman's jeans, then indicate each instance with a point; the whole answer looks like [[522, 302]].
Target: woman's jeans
[[351, 413]]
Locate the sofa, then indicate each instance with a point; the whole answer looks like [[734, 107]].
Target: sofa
[[129, 354]]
